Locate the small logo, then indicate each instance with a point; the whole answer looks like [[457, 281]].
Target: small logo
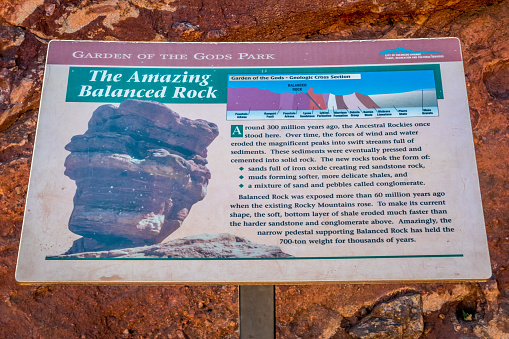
[[401, 50], [237, 131], [401, 54]]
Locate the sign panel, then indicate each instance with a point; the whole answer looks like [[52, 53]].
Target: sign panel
[[253, 163]]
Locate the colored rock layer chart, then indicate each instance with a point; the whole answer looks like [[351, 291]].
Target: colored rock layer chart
[[326, 96]]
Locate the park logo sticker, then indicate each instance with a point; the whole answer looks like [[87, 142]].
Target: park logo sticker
[[403, 53]]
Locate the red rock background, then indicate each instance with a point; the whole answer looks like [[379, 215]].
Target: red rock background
[[452, 310]]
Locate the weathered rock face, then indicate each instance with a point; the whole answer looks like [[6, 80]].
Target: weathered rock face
[[139, 169], [450, 310], [398, 318], [21, 64]]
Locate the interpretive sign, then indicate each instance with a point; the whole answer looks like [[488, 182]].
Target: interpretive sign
[[254, 163]]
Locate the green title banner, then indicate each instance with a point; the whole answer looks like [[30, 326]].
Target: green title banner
[[192, 85], [167, 85]]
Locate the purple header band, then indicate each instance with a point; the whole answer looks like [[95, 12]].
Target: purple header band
[[253, 54]]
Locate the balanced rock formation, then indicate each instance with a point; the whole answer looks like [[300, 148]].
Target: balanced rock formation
[[138, 170]]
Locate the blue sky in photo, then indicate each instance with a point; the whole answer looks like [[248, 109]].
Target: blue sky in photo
[[370, 83]]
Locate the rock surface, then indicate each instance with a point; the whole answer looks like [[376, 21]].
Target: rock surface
[[397, 318], [450, 310], [198, 246], [139, 169]]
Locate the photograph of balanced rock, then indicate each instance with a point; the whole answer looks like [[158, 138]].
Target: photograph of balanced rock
[[139, 168]]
